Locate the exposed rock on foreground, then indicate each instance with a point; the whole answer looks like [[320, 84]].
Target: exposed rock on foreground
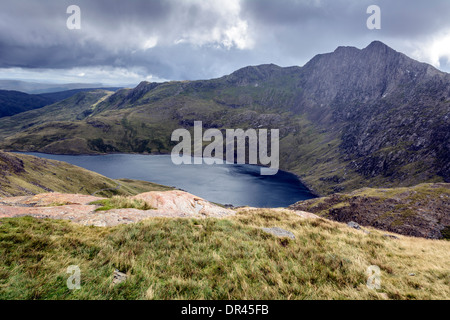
[[421, 211], [77, 208]]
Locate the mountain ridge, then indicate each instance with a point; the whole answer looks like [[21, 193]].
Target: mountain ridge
[[13, 102]]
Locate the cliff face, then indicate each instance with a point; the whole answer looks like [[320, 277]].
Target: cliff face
[[347, 119], [392, 113]]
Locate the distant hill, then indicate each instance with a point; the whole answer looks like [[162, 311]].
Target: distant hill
[[348, 119], [61, 95], [38, 88], [14, 102]]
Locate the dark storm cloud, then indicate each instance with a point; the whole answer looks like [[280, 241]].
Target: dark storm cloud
[[34, 33], [300, 26], [191, 39]]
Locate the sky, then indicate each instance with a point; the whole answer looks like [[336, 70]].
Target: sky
[[122, 43]]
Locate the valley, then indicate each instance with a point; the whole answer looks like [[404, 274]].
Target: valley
[[347, 119]]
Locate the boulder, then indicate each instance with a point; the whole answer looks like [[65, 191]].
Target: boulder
[[177, 202], [354, 225], [279, 232], [119, 277]]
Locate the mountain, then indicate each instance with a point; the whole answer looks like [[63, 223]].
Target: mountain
[[348, 119], [14, 102], [23, 175], [62, 95]]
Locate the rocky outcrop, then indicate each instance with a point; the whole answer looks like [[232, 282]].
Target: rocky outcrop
[[182, 203], [48, 199], [77, 208], [420, 211], [279, 232]]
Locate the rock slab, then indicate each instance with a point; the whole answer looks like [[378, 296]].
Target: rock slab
[[279, 232]]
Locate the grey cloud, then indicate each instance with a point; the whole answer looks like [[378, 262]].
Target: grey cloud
[[33, 33]]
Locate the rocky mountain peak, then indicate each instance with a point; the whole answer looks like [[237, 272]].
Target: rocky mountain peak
[[346, 50], [375, 48], [253, 74], [378, 46], [350, 73]]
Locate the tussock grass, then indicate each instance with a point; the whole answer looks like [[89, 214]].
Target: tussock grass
[[223, 259], [416, 193], [121, 202]]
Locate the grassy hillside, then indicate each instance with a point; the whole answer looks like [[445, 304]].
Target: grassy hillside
[[13, 102], [27, 175], [217, 259], [71, 109], [421, 211]]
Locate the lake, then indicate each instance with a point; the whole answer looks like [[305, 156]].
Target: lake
[[234, 184]]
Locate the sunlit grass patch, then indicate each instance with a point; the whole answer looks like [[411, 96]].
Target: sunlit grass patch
[[229, 258], [121, 202]]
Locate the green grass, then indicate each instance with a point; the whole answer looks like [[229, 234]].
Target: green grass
[[121, 202], [415, 194], [223, 259]]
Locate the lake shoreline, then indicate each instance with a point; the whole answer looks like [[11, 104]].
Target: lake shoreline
[[239, 185], [307, 185]]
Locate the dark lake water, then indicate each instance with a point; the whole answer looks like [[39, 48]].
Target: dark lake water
[[226, 184]]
